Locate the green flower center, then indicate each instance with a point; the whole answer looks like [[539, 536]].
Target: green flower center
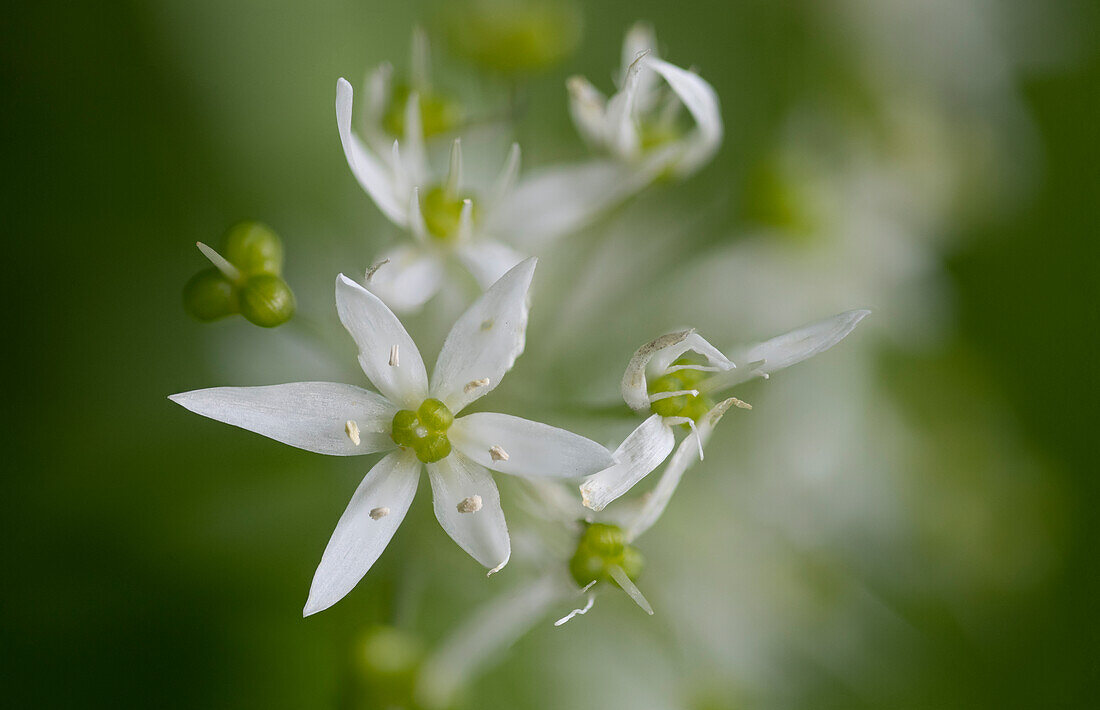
[[438, 113], [425, 430], [685, 405], [602, 547], [442, 212]]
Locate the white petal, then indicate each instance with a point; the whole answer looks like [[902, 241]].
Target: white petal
[[531, 448], [420, 59], [656, 356], [507, 177], [620, 132], [360, 537], [701, 101], [307, 415], [641, 452], [686, 454], [558, 201], [415, 155], [371, 173], [641, 39], [376, 331], [483, 534], [588, 108], [408, 278], [485, 341], [488, 260], [787, 349]]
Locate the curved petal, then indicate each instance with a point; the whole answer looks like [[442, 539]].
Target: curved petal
[[587, 106], [308, 415], [366, 527], [657, 355], [524, 448], [380, 336], [459, 483], [406, 277], [371, 173], [641, 39], [485, 341], [488, 260], [641, 452], [701, 101]]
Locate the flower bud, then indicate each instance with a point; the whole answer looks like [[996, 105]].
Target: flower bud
[[209, 295], [254, 249], [266, 300], [514, 36], [435, 415]]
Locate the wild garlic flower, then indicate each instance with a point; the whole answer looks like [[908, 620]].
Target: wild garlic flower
[[416, 422], [446, 217], [678, 390], [641, 123]]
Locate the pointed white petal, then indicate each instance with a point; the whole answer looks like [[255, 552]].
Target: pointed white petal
[[701, 101], [620, 131], [588, 108], [641, 452], [454, 171], [488, 260], [507, 177], [483, 534], [363, 532], [376, 330], [308, 415], [656, 356], [639, 40], [416, 217], [524, 448], [465, 231], [485, 341], [378, 92], [420, 59], [372, 174], [685, 455], [408, 279], [415, 155]]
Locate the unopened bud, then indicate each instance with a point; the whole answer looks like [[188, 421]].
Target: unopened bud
[[266, 301], [209, 295]]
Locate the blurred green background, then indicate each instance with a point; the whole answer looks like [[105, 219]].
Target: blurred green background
[[155, 559]]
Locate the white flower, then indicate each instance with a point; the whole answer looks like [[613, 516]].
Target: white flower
[[446, 220], [677, 392], [344, 420], [638, 129]]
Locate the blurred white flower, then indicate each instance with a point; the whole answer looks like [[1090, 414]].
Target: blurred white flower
[[640, 131], [677, 391], [418, 420], [445, 218]]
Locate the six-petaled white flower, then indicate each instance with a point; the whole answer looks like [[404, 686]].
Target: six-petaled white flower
[[447, 220], [416, 418], [677, 390]]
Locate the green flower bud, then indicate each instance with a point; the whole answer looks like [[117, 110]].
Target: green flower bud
[[514, 36], [435, 415], [266, 300], [209, 295], [434, 447], [438, 113], [254, 249]]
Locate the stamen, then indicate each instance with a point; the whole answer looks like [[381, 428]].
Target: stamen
[[231, 272], [371, 271], [472, 504], [351, 428], [619, 575], [474, 384], [741, 405], [497, 453], [677, 393], [578, 612], [395, 360], [699, 368], [379, 513]]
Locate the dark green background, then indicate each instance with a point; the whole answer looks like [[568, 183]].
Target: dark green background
[[139, 573]]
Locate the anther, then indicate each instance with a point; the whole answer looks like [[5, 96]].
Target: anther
[[395, 360], [471, 504], [474, 384], [351, 428], [378, 513], [497, 453]]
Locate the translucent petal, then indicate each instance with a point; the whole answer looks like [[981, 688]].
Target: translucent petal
[[641, 452], [382, 339], [308, 415], [701, 101], [372, 174], [485, 341], [483, 533], [364, 531], [656, 356], [524, 448]]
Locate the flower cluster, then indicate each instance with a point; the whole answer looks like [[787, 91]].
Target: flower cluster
[[662, 122]]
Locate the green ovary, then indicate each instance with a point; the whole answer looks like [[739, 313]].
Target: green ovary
[[442, 212], [602, 547], [425, 430], [685, 405]]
